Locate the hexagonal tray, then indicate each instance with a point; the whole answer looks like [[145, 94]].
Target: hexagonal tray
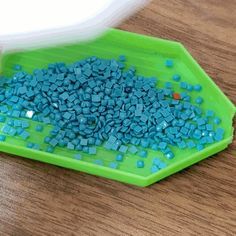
[[148, 55]]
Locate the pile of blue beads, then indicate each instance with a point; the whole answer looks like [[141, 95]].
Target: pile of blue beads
[[96, 102]]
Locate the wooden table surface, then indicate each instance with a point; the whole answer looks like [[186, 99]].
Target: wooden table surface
[[41, 199]]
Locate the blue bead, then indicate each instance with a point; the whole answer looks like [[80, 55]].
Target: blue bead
[[168, 85], [154, 147], [78, 156], [140, 164], [143, 153], [182, 145], [50, 149], [92, 150], [30, 145], [200, 147], [191, 144], [156, 161], [176, 77], [199, 100], [70, 146], [169, 155], [133, 149], [36, 146], [2, 137], [209, 127], [113, 165], [183, 85], [122, 58], [169, 63], [39, 128], [98, 162], [217, 120], [154, 169], [189, 87], [119, 157], [209, 113], [47, 139], [17, 67], [162, 145], [162, 165], [123, 149], [84, 142], [197, 87], [2, 118]]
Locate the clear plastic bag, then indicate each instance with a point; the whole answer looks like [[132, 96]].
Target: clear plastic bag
[[26, 23]]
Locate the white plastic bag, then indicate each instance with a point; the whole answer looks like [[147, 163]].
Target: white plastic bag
[[35, 23]]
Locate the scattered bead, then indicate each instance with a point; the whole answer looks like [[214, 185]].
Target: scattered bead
[[50, 149], [154, 169], [176, 77], [119, 157], [2, 119], [113, 165], [217, 120], [197, 87], [30, 145], [39, 128], [162, 165], [98, 162], [140, 164], [143, 153], [169, 63], [199, 100], [2, 138], [17, 67], [78, 156]]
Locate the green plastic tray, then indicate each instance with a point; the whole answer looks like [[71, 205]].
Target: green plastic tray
[[148, 55]]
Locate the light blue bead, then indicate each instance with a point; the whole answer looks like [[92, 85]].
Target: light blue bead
[[24, 135], [154, 147], [162, 145], [143, 153], [169, 63], [162, 165], [199, 100], [154, 169], [156, 161], [183, 85], [119, 157], [209, 113], [169, 155], [123, 149], [217, 120], [78, 156], [122, 58], [17, 67], [2, 138], [29, 145], [140, 164], [92, 150], [113, 165], [50, 149], [2, 118], [191, 144], [200, 147], [176, 77], [133, 149], [197, 87], [39, 128], [98, 162]]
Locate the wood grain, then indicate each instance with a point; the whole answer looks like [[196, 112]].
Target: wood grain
[[41, 199]]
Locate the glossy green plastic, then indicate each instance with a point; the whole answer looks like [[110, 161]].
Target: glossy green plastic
[[148, 55]]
